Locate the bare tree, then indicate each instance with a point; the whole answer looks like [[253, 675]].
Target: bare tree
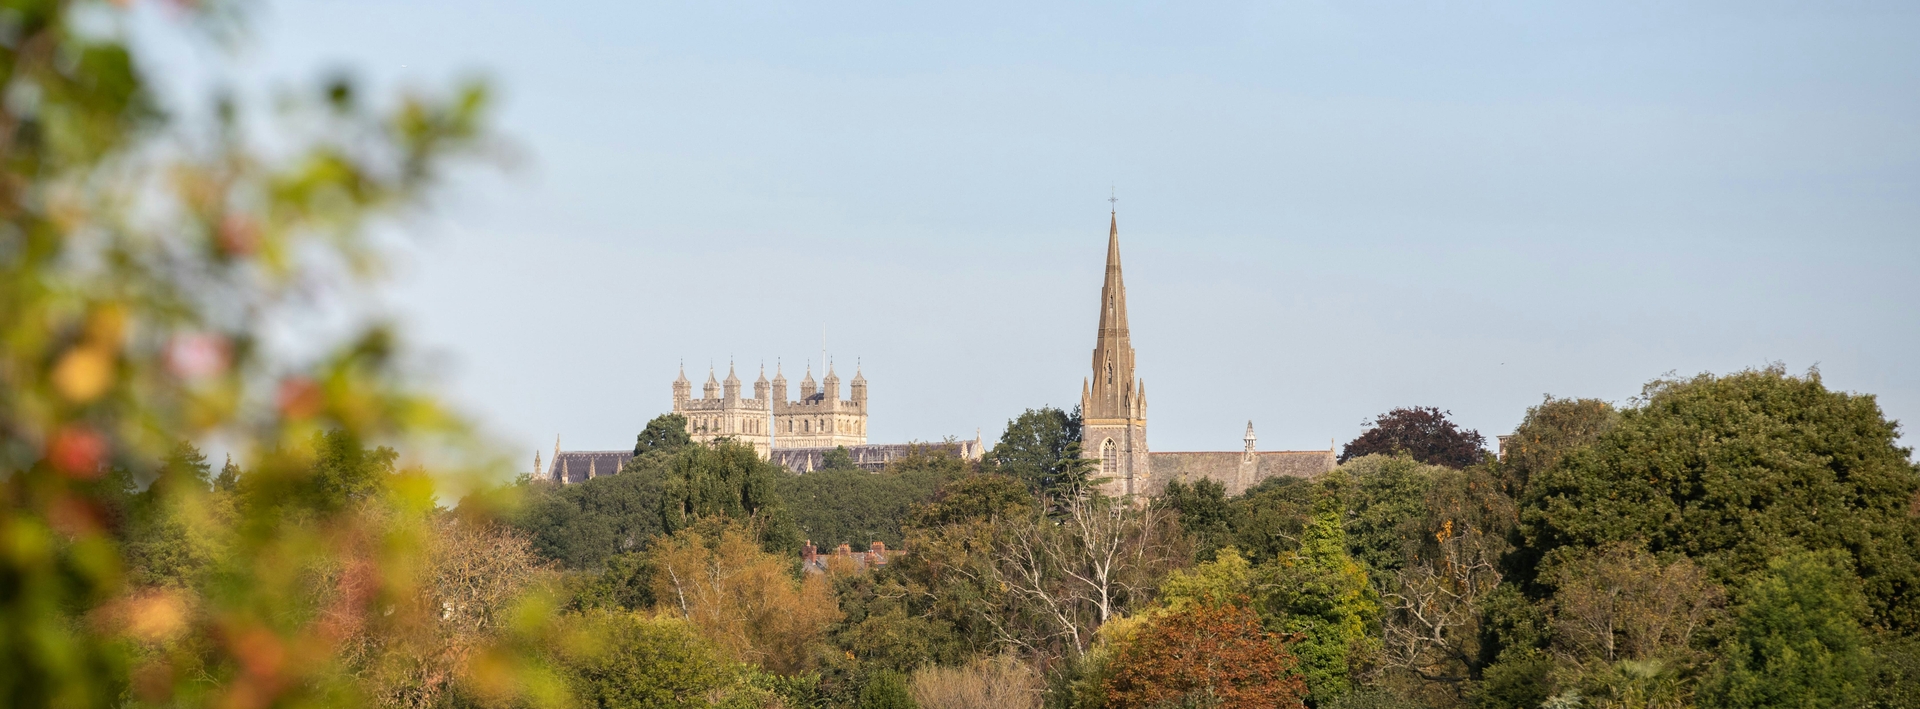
[[1067, 575], [1433, 619], [476, 572], [1621, 603]]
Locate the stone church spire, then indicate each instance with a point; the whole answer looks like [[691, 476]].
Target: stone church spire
[[1115, 391], [1113, 402]]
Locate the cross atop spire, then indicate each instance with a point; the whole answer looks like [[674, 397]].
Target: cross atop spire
[[1113, 202]]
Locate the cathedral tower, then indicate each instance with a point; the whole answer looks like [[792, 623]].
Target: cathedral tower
[[1113, 403]]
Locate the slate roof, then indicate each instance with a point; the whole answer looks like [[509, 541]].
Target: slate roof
[[577, 466], [870, 457]]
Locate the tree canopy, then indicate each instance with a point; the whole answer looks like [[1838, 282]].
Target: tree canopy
[[1041, 447], [1422, 432], [836, 505], [1735, 470], [666, 433]]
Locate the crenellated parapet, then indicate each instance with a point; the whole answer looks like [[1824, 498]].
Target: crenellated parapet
[[768, 420]]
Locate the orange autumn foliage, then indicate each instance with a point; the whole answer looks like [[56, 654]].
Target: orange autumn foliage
[[741, 598], [1207, 656]]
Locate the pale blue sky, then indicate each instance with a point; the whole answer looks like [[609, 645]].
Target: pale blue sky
[[1327, 209]]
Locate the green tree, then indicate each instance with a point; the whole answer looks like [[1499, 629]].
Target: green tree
[[1732, 471], [630, 661], [1797, 640], [729, 480], [1204, 514], [1041, 447], [341, 473], [1322, 594], [185, 465], [886, 690], [838, 459], [849, 505], [171, 538], [1268, 519], [584, 524], [666, 433], [1551, 430], [974, 498], [1385, 499], [229, 478]]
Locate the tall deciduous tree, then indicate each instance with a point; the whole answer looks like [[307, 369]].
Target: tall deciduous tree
[[1422, 432], [1733, 470], [716, 577], [1100, 559], [1621, 603]]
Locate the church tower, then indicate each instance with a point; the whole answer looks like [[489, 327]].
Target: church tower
[[1113, 403]]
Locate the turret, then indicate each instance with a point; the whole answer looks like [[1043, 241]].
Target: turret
[[760, 385], [779, 384], [859, 387], [732, 384], [807, 386], [712, 387], [832, 386], [1250, 441], [682, 389]]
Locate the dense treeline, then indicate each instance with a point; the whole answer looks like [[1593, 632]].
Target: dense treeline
[[1748, 540], [1745, 540]]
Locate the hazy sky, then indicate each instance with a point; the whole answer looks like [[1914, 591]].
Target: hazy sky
[[1326, 209]]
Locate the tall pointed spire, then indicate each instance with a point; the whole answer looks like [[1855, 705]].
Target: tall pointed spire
[[1114, 388], [1114, 408]]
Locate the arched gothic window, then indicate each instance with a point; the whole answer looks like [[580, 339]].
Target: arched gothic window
[[1109, 458]]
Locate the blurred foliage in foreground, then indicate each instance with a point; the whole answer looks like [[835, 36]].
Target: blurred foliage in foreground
[[144, 263]]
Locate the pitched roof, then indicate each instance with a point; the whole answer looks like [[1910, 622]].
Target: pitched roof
[[578, 466]]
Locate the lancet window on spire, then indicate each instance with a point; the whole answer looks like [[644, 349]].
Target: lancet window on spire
[[1109, 458]]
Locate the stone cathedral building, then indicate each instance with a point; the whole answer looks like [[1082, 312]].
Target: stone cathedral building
[[796, 434], [1113, 407], [819, 419]]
